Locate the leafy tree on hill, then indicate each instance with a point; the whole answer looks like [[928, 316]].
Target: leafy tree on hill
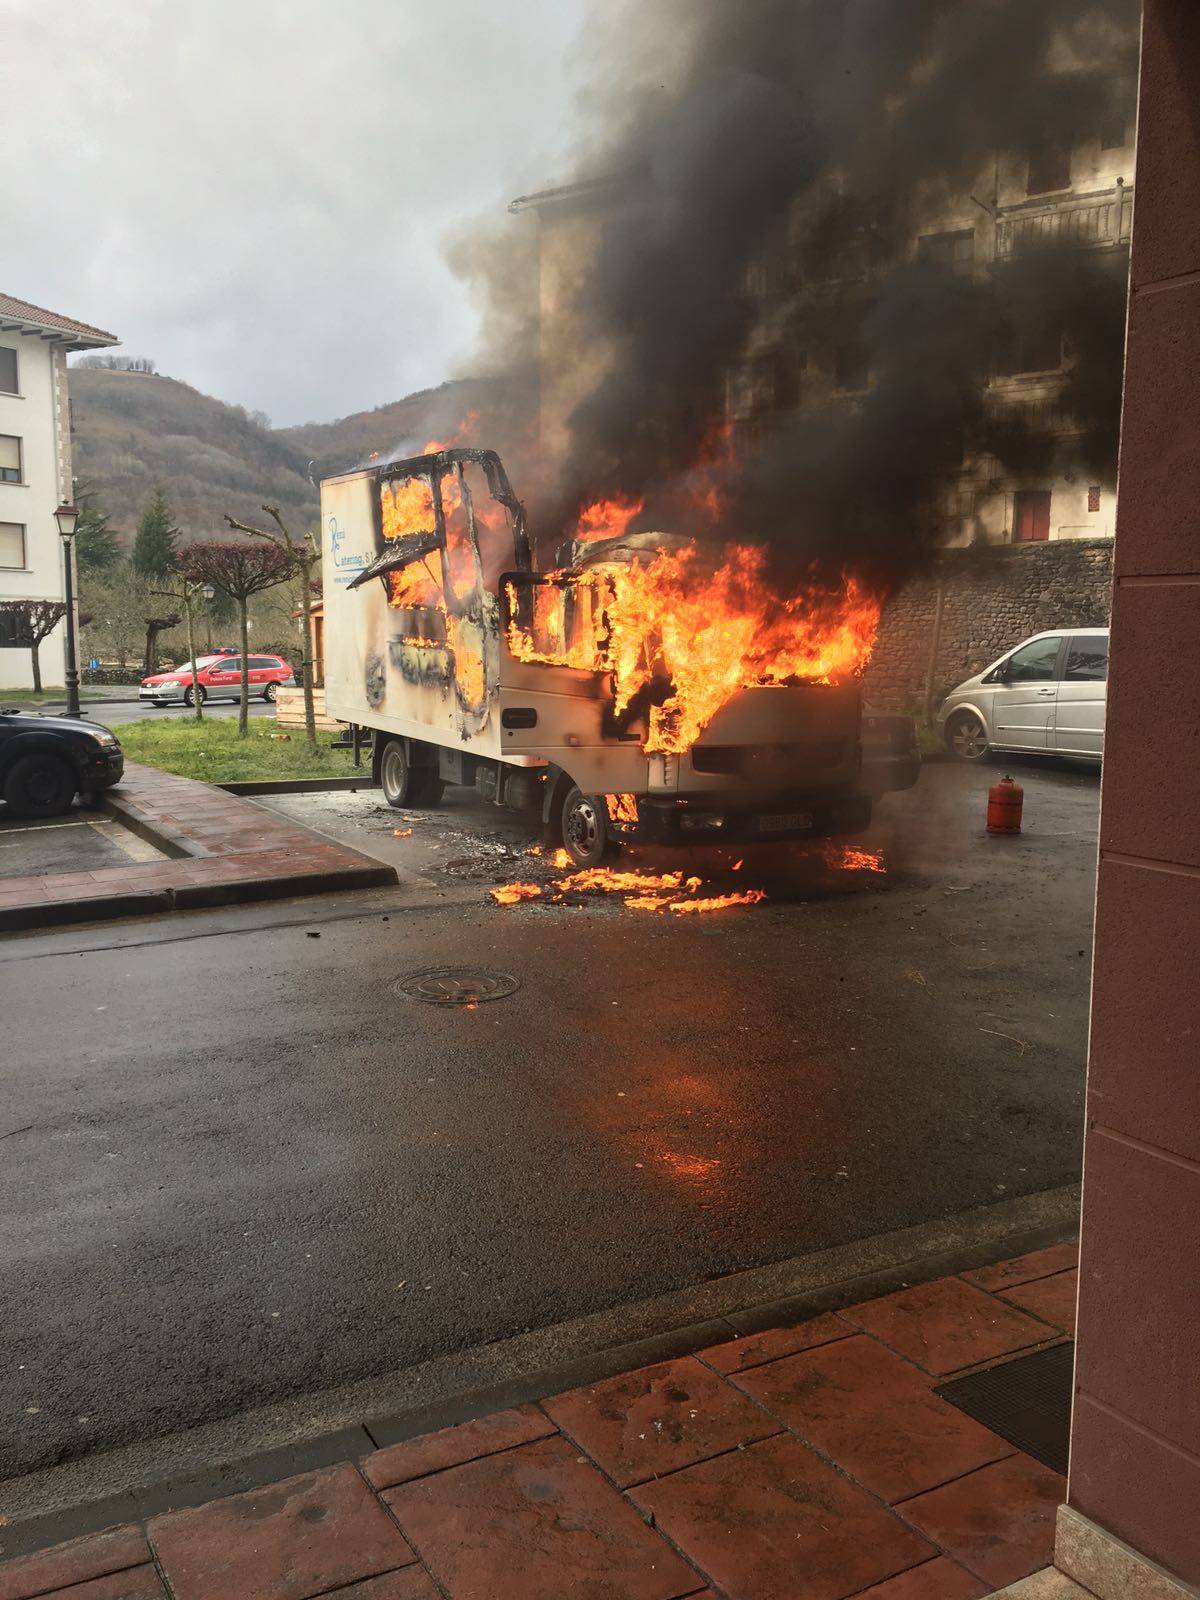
[[97, 547], [154, 547]]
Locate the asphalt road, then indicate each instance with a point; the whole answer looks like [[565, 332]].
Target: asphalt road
[[237, 1166], [114, 713]]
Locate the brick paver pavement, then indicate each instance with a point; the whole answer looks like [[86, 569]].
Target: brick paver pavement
[[235, 851], [813, 1462]]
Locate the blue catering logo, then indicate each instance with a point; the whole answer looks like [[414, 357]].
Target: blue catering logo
[[346, 564]]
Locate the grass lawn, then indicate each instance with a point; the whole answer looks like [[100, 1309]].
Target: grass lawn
[[211, 751], [51, 696]]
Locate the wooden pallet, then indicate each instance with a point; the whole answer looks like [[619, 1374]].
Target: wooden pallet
[[289, 710]]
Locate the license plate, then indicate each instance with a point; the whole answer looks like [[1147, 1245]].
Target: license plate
[[786, 822]]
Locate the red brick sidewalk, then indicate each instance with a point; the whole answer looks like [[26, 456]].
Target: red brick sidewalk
[[809, 1463], [228, 850]]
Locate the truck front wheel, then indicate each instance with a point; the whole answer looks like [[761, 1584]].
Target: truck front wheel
[[585, 828]]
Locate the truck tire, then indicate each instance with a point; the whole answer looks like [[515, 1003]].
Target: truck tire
[[397, 775], [585, 828], [39, 785]]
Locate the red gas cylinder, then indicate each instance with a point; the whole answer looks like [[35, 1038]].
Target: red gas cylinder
[[1005, 800]]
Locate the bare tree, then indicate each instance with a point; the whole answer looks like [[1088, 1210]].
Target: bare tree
[[30, 622], [154, 625], [304, 557], [185, 591], [239, 569]]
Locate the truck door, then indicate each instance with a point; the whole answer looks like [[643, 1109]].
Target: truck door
[[1024, 696], [1082, 694]]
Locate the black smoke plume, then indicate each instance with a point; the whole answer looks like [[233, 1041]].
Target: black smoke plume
[[768, 167]]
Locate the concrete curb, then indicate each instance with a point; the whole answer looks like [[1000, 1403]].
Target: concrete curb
[[168, 840], [193, 897], [253, 786], [96, 908]]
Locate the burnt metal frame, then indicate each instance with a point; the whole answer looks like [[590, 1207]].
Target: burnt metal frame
[[392, 555]]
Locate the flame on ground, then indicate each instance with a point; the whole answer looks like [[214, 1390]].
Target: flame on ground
[[708, 629], [666, 892], [508, 894], [607, 880], [849, 858], [719, 902]]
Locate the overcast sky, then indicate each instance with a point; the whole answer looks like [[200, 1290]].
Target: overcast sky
[[255, 193]]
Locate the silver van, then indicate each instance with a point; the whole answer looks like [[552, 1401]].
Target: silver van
[[1047, 695]]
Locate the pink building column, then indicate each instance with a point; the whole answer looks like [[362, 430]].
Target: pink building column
[[1135, 1447]]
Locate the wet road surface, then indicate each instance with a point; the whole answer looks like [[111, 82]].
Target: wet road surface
[[236, 1165]]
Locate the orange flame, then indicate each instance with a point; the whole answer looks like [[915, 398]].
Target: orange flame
[[849, 858], [508, 894], [718, 902], [607, 880], [607, 519], [460, 435], [709, 630], [622, 808]]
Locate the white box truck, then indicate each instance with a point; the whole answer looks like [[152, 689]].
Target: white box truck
[[470, 667]]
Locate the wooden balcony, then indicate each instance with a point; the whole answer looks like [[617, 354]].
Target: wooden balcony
[[1098, 220]]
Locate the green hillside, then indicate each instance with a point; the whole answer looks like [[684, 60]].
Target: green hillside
[[133, 431]]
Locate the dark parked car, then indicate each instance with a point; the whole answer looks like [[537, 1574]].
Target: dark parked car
[[46, 761]]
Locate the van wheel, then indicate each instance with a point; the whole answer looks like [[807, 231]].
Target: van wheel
[[966, 737], [585, 829], [39, 785]]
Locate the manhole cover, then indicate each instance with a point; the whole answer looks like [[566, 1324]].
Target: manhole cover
[[457, 986]]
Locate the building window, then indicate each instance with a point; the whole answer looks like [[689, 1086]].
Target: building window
[[1035, 348], [1049, 169], [953, 250], [1094, 498], [10, 458], [8, 371], [1031, 515], [12, 544], [1112, 134]]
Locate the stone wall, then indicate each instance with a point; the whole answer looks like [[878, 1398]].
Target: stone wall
[[111, 675], [992, 597]]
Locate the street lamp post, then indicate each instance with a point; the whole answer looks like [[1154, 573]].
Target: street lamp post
[[67, 516]]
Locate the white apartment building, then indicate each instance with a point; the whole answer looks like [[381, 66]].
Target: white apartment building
[[35, 468]]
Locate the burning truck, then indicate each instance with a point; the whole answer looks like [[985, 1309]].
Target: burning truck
[[645, 688]]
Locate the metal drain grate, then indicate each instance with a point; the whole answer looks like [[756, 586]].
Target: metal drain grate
[[1026, 1400], [456, 986]]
